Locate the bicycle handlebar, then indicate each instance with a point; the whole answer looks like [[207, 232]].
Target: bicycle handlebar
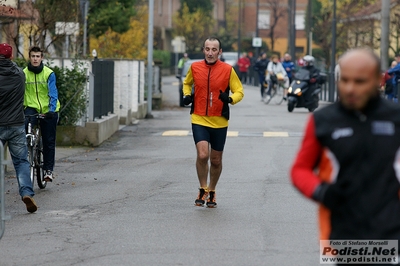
[[37, 115]]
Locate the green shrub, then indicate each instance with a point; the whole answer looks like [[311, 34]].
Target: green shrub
[[71, 85], [22, 63], [163, 56]]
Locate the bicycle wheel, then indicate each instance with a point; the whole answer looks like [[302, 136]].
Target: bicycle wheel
[[31, 164], [273, 92], [278, 99], [39, 165]]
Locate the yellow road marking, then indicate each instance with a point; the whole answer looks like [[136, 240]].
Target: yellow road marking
[[275, 134], [232, 133], [176, 133]]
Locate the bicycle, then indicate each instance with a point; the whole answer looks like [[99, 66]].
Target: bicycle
[[277, 91], [35, 151]]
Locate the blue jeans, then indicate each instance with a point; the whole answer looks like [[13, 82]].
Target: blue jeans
[[16, 138]]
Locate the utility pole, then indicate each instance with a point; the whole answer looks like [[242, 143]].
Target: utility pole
[[333, 56], [239, 27], [309, 28], [385, 22], [289, 22], [86, 10], [150, 61], [293, 29], [257, 29]]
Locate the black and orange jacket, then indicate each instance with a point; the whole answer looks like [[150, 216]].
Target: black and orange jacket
[[208, 81], [362, 149]]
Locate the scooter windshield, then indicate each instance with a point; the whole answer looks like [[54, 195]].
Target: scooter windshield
[[302, 74]]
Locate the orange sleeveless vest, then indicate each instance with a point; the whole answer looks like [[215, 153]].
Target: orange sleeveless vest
[[208, 81]]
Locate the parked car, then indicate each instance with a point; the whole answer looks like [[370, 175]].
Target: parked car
[[230, 58], [181, 76]]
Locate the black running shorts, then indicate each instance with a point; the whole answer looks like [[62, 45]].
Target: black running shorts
[[215, 136]]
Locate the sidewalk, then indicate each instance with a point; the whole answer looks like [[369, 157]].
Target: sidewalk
[[62, 152], [68, 151]]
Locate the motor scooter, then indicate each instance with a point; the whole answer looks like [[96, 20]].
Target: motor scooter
[[299, 94]]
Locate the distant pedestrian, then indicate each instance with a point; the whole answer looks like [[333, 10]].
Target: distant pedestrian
[[243, 64], [182, 61], [213, 82], [251, 72], [12, 122], [388, 83], [300, 62], [395, 71], [261, 67], [349, 159], [289, 66]]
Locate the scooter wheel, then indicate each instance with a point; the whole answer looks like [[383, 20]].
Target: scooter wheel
[[290, 106]]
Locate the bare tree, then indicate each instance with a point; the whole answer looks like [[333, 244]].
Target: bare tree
[[349, 31], [36, 21], [278, 11]]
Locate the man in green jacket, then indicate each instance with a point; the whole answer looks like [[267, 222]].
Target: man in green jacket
[[182, 61], [41, 96]]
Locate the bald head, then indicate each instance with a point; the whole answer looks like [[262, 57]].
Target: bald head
[[364, 56], [360, 77]]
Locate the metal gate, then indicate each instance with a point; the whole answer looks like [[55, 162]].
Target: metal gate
[[3, 216], [103, 94]]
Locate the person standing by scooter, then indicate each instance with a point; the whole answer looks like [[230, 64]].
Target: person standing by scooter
[[288, 64]]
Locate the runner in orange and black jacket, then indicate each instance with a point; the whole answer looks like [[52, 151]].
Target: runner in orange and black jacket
[[215, 86], [349, 160]]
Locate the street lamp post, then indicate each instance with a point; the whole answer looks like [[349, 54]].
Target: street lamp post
[[84, 10], [385, 24], [150, 61], [239, 27], [309, 28], [257, 29], [293, 30], [332, 85]]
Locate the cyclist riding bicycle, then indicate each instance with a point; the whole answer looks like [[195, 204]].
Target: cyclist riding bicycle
[[41, 96], [275, 69]]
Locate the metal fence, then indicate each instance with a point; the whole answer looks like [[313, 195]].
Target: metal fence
[[103, 87], [156, 88], [3, 216]]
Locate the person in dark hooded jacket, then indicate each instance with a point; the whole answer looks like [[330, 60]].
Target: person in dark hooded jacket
[[12, 122]]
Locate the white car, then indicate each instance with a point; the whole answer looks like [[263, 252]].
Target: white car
[[181, 76], [230, 58]]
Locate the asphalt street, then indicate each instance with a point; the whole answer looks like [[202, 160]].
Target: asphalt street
[[130, 201]]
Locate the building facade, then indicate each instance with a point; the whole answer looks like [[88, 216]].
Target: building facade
[[164, 10], [364, 28], [273, 23]]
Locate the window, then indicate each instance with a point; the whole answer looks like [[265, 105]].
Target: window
[[264, 18], [300, 20]]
